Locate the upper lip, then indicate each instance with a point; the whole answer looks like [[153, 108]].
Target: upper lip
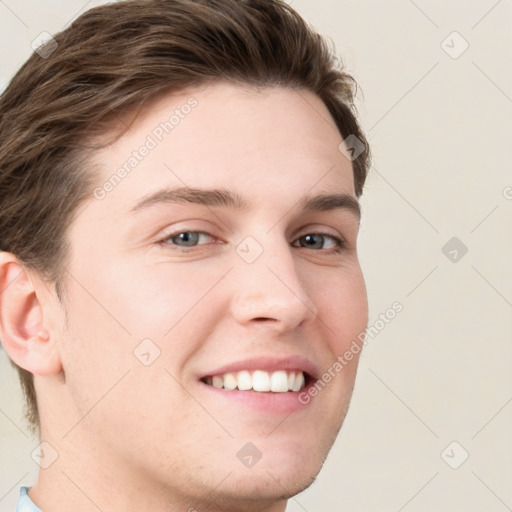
[[269, 364]]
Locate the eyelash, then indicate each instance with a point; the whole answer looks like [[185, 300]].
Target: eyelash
[[340, 244]]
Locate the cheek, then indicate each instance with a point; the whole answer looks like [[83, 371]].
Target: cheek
[[159, 298], [118, 306], [343, 305]]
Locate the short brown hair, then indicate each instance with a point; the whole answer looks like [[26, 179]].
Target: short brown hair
[[110, 61]]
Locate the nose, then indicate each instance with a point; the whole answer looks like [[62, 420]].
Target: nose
[[270, 290]]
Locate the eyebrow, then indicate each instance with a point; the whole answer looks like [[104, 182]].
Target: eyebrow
[[221, 197]]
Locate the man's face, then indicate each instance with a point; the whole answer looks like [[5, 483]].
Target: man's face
[[213, 289]]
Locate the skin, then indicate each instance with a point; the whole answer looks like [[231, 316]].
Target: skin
[[153, 438]]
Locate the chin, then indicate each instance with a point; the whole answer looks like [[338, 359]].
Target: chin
[[282, 472], [269, 486]]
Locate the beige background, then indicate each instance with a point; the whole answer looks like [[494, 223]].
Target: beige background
[[441, 371]]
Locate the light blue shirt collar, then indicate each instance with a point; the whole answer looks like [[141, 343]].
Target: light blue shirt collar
[[25, 504]]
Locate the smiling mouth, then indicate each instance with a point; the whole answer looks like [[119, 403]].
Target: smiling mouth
[[281, 381]]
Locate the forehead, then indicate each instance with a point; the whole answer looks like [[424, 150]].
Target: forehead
[[272, 141]]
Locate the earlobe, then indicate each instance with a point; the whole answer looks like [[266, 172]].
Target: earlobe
[[24, 336]]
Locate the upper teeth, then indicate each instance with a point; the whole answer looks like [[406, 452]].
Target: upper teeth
[[259, 380]]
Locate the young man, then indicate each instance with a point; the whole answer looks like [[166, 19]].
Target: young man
[[179, 184]]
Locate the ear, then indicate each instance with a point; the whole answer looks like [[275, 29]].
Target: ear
[[23, 333]]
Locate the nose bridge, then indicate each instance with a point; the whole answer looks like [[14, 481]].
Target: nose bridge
[[269, 285]]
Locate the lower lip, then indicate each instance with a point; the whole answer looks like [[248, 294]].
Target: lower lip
[[268, 402]]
